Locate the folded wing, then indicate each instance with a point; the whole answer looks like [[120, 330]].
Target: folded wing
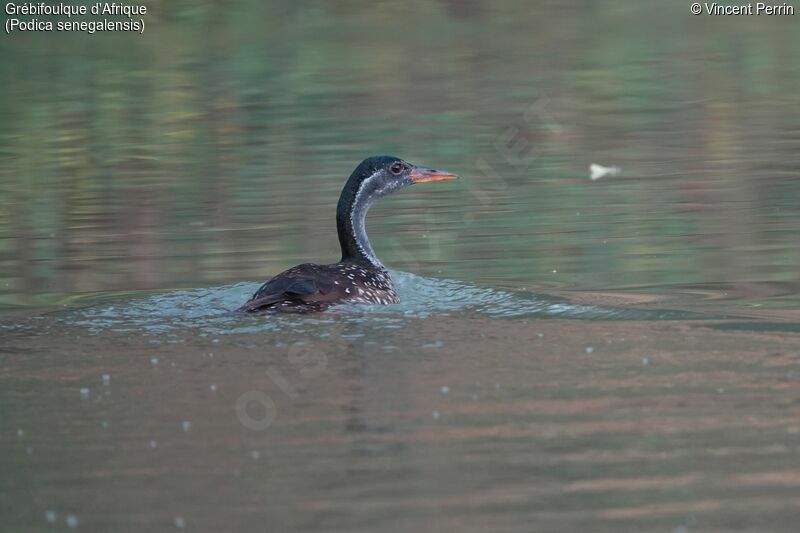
[[303, 288]]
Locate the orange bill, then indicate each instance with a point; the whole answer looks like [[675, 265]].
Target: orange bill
[[424, 175]]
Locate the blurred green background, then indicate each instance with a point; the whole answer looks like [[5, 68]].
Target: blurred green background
[[212, 147], [211, 150]]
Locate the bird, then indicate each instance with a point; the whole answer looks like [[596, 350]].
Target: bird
[[359, 277]]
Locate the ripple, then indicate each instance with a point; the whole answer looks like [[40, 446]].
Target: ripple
[[209, 309]]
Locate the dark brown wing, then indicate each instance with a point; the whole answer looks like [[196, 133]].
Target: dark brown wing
[[304, 288]]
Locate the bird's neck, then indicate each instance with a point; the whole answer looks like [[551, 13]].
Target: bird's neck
[[351, 214]]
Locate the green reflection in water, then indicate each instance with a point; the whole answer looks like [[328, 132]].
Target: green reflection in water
[[212, 148]]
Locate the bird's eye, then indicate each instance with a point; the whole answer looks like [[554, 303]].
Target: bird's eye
[[396, 168]]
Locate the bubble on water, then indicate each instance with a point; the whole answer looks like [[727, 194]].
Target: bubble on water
[[84, 392], [435, 415], [213, 387], [445, 389], [20, 432], [186, 425], [106, 379], [589, 349], [645, 361], [180, 523], [152, 445], [154, 361], [72, 521], [255, 454], [51, 516]]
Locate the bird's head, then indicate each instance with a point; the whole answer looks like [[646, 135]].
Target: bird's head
[[381, 175]]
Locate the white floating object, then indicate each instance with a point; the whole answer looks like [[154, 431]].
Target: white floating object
[[255, 455], [106, 379], [20, 432], [445, 389], [154, 361], [213, 387], [84, 392], [589, 349], [72, 521], [51, 516], [152, 445], [645, 361], [435, 415], [180, 523], [186, 425], [599, 171]]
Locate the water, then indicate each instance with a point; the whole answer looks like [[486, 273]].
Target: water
[[569, 354]]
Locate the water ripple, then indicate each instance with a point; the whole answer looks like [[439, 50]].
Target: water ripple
[[209, 309]]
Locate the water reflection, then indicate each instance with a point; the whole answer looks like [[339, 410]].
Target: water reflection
[[222, 160], [526, 382]]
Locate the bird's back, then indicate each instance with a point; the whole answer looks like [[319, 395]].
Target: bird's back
[[311, 287]]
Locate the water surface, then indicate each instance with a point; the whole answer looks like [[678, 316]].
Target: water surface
[[569, 355]]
